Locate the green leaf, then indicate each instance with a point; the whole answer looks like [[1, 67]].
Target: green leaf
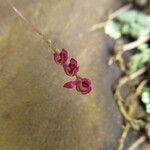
[[138, 60], [112, 28], [125, 29], [145, 98], [146, 95], [143, 47], [128, 16], [137, 30], [148, 108], [134, 63], [143, 19], [134, 23]]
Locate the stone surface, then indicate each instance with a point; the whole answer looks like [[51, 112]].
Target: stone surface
[[36, 112]]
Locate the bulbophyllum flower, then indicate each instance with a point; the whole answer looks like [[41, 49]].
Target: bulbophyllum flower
[[61, 57], [82, 85], [72, 68]]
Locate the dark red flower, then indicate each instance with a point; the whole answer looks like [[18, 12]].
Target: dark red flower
[[61, 57], [84, 86], [72, 68]]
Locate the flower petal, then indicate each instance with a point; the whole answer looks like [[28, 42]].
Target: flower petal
[[73, 61], [72, 68], [61, 57], [69, 85], [83, 86], [87, 91]]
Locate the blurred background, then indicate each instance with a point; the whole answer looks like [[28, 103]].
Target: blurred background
[[36, 112]]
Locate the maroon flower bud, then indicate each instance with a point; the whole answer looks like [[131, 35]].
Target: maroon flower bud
[[84, 86], [61, 57], [69, 84], [72, 68]]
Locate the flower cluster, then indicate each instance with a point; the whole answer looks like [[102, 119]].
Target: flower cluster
[[82, 85]]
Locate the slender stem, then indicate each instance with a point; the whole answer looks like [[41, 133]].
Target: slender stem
[[120, 48], [140, 88], [29, 24], [137, 143], [131, 110], [136, 43], [119, 99], [133, 76], [123, 136], [78, 77], [111, 16], [120, 11], [97, 26], [11, 3]]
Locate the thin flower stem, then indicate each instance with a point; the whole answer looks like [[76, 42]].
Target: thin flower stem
[[30, 25], [78, 77], [111, 16], [137, 143]]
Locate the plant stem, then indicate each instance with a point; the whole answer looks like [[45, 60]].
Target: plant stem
[[111, 16], [131, 110], [137, 143], [135, 44], [123, 136], [132, 76], [29, 24], [120, 49], [97, 26], [119, 99], [120, 11]]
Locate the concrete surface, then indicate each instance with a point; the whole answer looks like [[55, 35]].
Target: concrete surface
[[36, 112]]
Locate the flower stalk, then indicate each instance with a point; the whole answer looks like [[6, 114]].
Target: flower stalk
[[82, 85]]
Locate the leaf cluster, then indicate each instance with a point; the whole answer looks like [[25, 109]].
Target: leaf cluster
[[135, 24], [132, 23]]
